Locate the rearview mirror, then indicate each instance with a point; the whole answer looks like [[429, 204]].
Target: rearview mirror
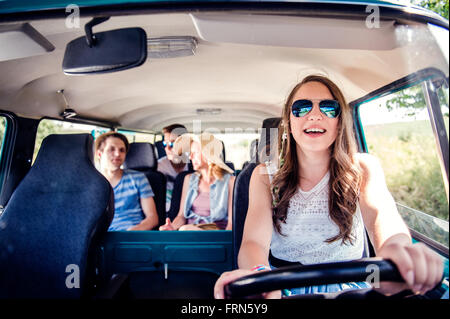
[[108, 51]]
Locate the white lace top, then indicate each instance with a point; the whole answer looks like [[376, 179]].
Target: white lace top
[[308, 225]]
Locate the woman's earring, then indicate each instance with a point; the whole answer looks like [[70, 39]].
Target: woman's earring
[[284, 136], [283, 147]]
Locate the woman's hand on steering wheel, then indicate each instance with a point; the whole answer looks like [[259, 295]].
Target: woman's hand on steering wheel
[[231, 276], [420, 267]]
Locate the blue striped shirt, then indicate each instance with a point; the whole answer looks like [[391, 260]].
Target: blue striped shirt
[[127, 194]]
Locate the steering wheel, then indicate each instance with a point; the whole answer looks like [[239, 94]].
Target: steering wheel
[[367, 269]]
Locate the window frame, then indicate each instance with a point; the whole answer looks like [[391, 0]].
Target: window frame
[[7, 148], [425, 78], [434, 112]]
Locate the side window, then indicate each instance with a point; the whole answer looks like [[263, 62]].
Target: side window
[[237, 147], [47, 127], [138, 137], [397, 129]]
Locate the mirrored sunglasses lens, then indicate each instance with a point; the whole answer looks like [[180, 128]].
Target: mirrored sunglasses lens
[[301, 107], [330, 108], [328, 111]]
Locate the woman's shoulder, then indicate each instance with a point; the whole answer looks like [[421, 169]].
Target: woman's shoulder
[[261, 173], [370, 164], [367, 161], [188, 177], [231, 179]]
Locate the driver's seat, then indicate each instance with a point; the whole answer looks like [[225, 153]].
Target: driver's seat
[[241, 185], [52, 226]]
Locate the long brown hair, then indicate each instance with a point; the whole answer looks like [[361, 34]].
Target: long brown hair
[[345, 173], [216, 171]]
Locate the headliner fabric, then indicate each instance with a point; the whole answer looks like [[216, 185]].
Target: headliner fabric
[[52, 219]]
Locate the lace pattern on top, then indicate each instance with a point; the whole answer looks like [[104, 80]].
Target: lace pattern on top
[[308, 225]]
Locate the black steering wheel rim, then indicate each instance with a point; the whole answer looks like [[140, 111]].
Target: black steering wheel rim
[[313, 275]]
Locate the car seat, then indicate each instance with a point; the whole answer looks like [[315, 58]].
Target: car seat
[[142, 157], [51, 229], [160, 149], [241, 186]]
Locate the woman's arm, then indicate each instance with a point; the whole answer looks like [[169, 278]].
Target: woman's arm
[[230, 203], [179, 220], [378, 207], [257, 234], [420, 267], [258, 223], [151, 216]]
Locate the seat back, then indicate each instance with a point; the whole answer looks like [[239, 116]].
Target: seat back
[[254, 158], [141, 157], [176, 194], [230, 165], [51, 228], [241, 186], [240, 206], [160, 149], [254, 151], [268, 141]]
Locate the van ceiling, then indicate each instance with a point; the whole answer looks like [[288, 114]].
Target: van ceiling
[[245, 78]]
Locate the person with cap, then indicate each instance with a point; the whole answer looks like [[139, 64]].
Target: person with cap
[[206, 199]]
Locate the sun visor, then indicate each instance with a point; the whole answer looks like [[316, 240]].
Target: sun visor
[[21, 41], [301, 32]]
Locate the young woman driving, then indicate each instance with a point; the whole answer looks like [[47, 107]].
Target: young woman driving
[[313, 205]]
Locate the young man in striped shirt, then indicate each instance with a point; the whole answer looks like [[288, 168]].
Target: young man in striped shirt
[[133, 197]]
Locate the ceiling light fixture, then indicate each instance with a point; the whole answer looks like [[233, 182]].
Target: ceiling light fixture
[[209, 111], [171, 47]]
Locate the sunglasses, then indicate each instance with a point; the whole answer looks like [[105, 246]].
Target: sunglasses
[[330, 108], [170, 144]]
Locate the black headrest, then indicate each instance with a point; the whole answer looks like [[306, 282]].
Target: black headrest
[[141, 156], [254, 151], [161, 152], [52, 219], [271, 122], [223, 151], [268, 141], [61, 160]]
